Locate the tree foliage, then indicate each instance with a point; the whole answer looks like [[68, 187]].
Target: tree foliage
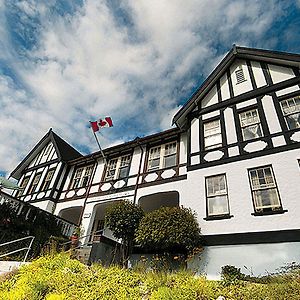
[[123, 218], [169, 229], [34, 222]]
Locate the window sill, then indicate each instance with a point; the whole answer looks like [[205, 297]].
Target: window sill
[[220, 217], [266, 213]]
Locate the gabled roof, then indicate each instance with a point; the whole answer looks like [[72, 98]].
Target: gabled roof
[[64, 151], [236, 52]]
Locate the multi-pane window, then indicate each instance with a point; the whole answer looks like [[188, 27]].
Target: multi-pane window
[[264, 189], [76, 179], [212, 134], [82, 177], [291, 111], [47, 181], [86, 176], [124, 166], [250, 124], [217, 195], [22, 186], [111, 169], [163, 156], [35, 182], [118, 168]]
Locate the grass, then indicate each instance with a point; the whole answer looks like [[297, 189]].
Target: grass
[[57, 277]]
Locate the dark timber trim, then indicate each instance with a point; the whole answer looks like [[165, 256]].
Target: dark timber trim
[[252, 94], [263, 237]]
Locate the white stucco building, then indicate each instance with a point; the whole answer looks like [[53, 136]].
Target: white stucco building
[[233, 158]]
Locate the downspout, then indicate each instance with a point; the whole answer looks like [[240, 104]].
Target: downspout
[[139, 172]]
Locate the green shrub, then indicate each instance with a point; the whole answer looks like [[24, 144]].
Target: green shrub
[[230, 274], [169, 229]]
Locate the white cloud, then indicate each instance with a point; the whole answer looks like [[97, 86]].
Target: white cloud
[[86, 65]]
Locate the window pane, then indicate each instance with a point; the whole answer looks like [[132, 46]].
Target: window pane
[[123, 172], [154, 164], [218, 205], [266, 198], [293, 121], [170, 161], [252, 132]]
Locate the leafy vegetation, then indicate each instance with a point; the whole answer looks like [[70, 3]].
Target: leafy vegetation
[[123, 219], [33, 222], [169, 229], [60, 278]]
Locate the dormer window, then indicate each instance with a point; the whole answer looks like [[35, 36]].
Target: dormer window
[[240, 76], [163, 156], [118, 168]]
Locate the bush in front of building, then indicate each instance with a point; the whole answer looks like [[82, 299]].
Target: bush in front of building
[[123, 219], [169, 229]]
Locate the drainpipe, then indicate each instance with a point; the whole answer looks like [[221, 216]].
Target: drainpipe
[[139, 172]]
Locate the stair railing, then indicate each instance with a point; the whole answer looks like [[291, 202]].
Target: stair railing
[[20, 249]]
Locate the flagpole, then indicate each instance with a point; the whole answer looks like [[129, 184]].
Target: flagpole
[[98, 143]]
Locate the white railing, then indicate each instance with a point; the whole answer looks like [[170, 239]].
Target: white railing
[[19, 249]]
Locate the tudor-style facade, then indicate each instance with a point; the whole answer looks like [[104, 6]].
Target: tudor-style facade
[[233, 158]]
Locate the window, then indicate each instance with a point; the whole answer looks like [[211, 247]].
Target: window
[[163, 156], [35, 182], [291, 112], [216, 196], [264, 189], [212, 135], [240, 76], [124, 166], [22, 186], [86, 176], [82, 177], [250, 124], [47, 181], [118, 168]]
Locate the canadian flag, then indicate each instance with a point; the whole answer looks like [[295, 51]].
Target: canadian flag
[[101, 123]]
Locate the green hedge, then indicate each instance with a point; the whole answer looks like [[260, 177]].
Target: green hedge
[[59, 277]]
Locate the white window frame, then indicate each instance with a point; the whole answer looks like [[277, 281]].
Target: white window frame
[[211, 183], [115, 165], [292, 107], [262, 180], [161, 153], [80, 175], [215, 131], [250, 122]]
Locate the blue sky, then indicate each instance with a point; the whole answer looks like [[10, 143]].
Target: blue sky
[[65, 62]]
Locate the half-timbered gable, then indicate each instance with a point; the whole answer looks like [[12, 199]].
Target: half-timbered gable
[[41, 173], [249, 105]]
